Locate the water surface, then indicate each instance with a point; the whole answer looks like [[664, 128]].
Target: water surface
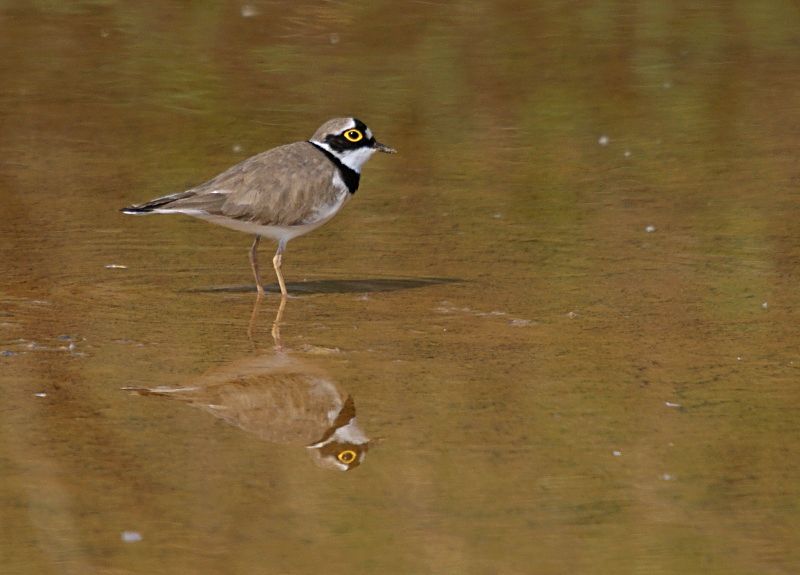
[[566, 312]]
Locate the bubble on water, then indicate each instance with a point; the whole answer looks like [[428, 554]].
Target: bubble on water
[[627, 153], [670, 404], [616, 453], [667, 477], [131, 536], [249, 11], [764, 305], [649, 229], [40, 394], [603, 140]]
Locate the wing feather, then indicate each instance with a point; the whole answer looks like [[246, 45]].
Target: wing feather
[[285, 186]]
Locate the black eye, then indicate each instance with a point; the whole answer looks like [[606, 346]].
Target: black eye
[[348, 455], [353, 135]]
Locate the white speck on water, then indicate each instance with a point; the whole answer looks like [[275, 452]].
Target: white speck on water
[[236, 148], [448, 308], [764, 305], [116, 267], [483, 313], [104, 33], [497, 216], [616, 453], [249, 11], [572, 315], [738, 358], [670, 404], [131, 536], [40, 394], [666, 85], [627, 153], [603, 140], [334, 38], [667, 477], [319, 350], [649, 229]]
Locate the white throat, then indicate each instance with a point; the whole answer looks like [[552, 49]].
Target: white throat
[[350, 433], [353, 159]]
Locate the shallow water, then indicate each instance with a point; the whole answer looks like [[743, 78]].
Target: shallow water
[[566, 312]]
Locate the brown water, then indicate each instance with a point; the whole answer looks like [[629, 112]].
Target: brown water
[[566, 312]]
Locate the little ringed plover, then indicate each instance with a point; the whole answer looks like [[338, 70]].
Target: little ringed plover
[[282, 193]]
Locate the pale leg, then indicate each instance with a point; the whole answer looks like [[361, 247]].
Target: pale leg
[[276, 263], [254, 265], [276, 325]]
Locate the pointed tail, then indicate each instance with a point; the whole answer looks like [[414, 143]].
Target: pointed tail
[[153, 205]]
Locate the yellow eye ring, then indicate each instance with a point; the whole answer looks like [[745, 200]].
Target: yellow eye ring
[[353, 135], [347, 456]]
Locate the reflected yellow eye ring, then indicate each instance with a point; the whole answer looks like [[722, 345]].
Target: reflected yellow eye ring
[[347, 456], [353, 136]]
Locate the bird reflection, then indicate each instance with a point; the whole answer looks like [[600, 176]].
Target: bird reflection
[[281, 399]]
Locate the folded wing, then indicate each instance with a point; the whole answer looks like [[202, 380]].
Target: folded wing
[[286, 186]]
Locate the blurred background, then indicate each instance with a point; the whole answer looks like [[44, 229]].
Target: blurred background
[[565, 312]]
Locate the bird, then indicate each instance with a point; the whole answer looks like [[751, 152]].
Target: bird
[[281, 399], [281, 193]]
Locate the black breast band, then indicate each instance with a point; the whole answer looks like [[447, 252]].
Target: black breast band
[[349, 176]]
